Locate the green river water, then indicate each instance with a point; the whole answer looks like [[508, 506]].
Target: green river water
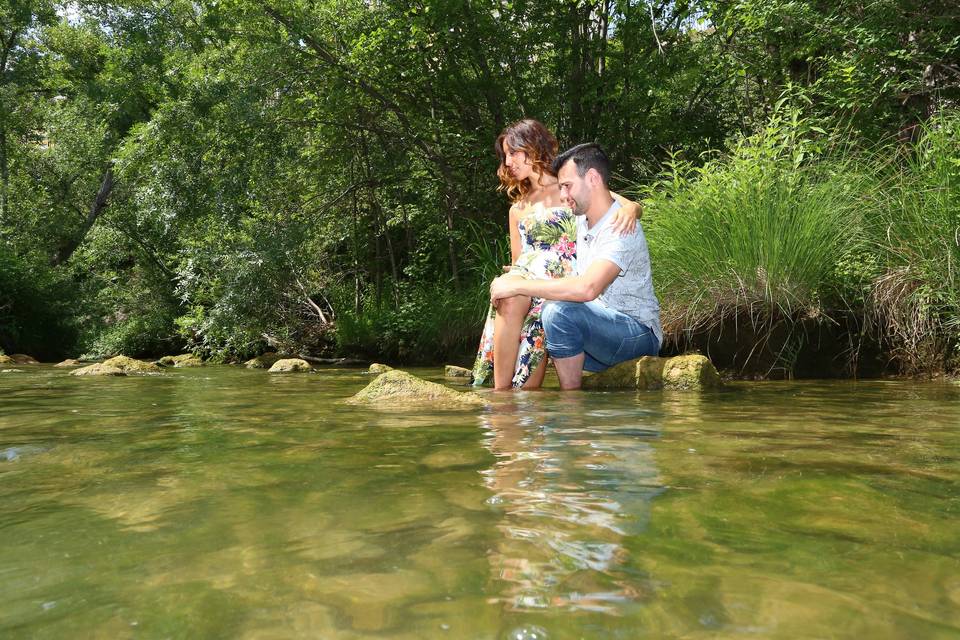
[[227, 503]]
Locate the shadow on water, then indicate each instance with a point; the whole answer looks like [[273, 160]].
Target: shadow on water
[[225, 503]]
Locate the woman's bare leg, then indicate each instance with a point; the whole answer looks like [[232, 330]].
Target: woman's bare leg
[[506, 339], [535, 381]]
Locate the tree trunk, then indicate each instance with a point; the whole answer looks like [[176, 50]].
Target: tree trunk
[[97, 207]]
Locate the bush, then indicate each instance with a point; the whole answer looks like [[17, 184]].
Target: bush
[[37, 308]]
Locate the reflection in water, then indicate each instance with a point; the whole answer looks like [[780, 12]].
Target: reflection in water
[[571, 484]]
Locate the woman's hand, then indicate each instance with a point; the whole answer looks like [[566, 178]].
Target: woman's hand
[[625, 219]]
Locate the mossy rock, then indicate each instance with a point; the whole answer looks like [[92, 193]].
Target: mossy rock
[[401, 389], [689, 372], [99, 369], [377, 368], [183, 360], [6, 359], [69, 362], [131, 365], [22, 358], [263, 361], [452, 371], [290, 365]]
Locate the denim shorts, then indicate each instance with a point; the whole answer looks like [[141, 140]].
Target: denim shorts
[[605, 336]]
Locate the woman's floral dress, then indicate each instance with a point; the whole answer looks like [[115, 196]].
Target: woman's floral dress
[[549, 250]]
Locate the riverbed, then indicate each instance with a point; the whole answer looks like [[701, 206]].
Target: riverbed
[[221, 502]]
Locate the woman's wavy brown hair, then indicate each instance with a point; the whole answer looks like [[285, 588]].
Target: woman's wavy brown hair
[[531, 137]]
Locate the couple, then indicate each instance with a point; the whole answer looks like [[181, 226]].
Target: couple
[[580, 286]]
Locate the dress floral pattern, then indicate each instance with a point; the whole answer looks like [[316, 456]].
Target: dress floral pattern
[[549, 250]]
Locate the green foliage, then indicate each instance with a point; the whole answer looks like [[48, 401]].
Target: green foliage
[[37, 308], [230, 175]]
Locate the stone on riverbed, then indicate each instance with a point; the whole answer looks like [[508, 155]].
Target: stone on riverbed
[[689, 372], [5, 359], [183, 360], [400, 389], [21, 358], [377, 368], [69, 362], [290, 365], [263, 361], [451, 371]]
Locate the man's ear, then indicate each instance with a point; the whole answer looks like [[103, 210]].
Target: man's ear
[[593, 178]]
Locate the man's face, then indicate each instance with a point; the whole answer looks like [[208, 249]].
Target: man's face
[[575, 190]]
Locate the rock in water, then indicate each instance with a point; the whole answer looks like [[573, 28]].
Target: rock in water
[[290, 365], [681, 372], [690, 372], [98, 369], [130, 365], [69, 362], [378, 368], [184, 360], [6, 359], [451, 371], [399, 389], [263, 361], [21, 358]]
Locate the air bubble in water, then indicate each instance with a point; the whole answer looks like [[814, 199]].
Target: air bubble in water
[[528, 632]]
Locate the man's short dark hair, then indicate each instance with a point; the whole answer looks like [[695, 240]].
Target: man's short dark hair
[[586, 156]]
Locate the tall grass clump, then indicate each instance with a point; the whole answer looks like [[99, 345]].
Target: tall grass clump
[[915, 230], [755, 235]]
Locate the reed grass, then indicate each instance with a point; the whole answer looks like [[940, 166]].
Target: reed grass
[[755, 233], [915, 230]]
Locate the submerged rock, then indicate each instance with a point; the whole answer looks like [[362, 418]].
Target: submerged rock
[[21, 358], [99, 369], [262, 361], [290, 365], [378, 368], [451, 371], [183, 360], [69, 362], [689, 372], [399, 388]]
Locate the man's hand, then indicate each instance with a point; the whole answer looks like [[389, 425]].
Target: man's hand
[[502, 287]]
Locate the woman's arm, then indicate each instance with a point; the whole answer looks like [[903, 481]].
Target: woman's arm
[[514, 225], [626, 217]]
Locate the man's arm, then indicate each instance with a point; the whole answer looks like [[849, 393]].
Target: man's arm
[[583, 288]]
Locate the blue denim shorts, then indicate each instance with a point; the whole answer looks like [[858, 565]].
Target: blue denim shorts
[[605, 336]]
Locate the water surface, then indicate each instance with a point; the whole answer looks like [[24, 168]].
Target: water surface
[[227, 503]]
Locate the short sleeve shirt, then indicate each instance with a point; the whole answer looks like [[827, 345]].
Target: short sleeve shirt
[[632, 291]]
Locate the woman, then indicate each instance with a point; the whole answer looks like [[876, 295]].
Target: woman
[[542, 245]]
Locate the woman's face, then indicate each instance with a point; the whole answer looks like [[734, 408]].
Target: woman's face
[[517, 163]]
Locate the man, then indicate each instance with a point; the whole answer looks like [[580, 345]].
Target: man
[[606, 313]]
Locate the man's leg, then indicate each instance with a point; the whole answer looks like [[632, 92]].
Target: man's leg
[[570, 371], [593, 336]]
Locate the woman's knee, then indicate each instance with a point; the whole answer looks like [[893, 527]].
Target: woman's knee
[[515, 307]]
